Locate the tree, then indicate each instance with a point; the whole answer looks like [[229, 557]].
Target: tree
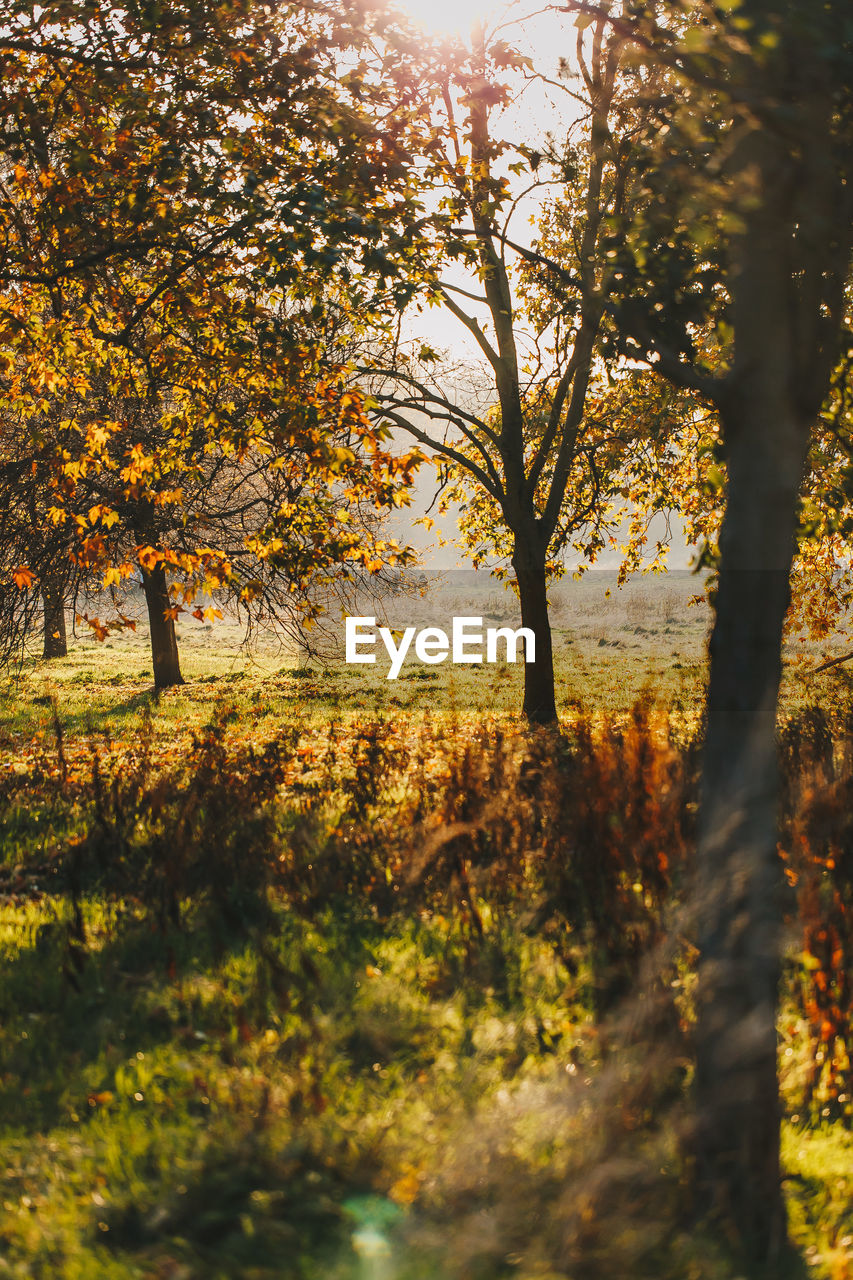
[[746, 224], [537, 459], [167, 141], [682, 471], [149, 234], [35, 574], [286, 495]]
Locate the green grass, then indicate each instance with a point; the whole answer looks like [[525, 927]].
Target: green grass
[[199, 1105], [819, 1168], [192, 1101], [330, 1088], [612, 645]]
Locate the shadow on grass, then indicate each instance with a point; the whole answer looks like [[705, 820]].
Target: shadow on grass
[[113, 1056], [281, 1210], [72, 1013]]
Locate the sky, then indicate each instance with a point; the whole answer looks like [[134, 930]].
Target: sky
[[539, 108], [455, 17], [543, 107]]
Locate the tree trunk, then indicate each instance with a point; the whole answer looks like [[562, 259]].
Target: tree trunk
[[164, 643], [739, 871], [539, 698], [53, 600]]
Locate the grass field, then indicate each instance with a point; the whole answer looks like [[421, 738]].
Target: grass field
[[612, 645], [311, 974]]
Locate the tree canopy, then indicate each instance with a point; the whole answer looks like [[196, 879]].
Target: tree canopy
[[179, 198]]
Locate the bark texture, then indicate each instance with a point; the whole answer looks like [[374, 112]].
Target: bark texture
[[53, 600], [740, 874], [540, 705], [767, 413], [164, 643]]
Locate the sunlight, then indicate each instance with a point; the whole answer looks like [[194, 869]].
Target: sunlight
[[451, 17]]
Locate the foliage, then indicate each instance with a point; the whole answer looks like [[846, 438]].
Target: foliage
[[676, 464], [264, 499], [747, 227], [164, 281], [818, 774], [674, 253], [379, 979], [639, 458], [523, 444]]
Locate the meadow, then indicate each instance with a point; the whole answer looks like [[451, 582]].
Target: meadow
[[311, 974]]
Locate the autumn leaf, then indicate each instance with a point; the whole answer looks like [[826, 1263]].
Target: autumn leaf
[[149, 558], [99, 629]]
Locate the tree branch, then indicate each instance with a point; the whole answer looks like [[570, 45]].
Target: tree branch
[[473, 327], [494, 488]]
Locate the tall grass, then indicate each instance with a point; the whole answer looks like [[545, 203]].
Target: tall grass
[[411, 903]]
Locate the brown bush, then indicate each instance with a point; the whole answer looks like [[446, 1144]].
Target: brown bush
[[583, 837]]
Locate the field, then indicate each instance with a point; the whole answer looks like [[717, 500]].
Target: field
[[612, 645], [312, 974]]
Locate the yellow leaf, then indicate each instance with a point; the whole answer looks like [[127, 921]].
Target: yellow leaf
[[149, 557], [406, 1188]]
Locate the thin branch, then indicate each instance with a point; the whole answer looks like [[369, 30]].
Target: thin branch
[[429, 395], [534, 256], [551, 430], [442, 411], [448, 451], [475, 297], [824, 666], [473, 327]]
